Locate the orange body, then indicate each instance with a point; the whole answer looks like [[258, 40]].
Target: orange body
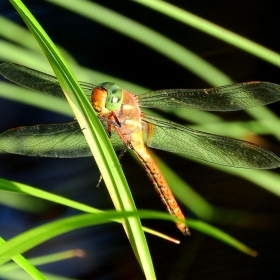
[[131, 133]]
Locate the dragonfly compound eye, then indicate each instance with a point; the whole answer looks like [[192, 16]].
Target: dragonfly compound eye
[[114, 98]]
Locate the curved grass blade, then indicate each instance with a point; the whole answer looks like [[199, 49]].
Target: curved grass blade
[[264, 179], [97, 139], [25, 96], [213, 30], [46, 259], [201, 208], [24, 264], [148, 37], [33, 237], [19, 188], [220, 235]]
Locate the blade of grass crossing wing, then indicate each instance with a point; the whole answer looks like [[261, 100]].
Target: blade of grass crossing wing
[[97, 139]]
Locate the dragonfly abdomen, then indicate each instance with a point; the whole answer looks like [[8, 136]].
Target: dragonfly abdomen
[[131, 133], [161, 186]]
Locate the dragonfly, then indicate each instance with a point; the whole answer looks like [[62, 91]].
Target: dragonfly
[[120, 113]]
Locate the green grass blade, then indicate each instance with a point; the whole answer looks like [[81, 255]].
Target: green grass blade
[[16, 33], [11, 52], [33, 237], [268, 120], [45, 259], [24, 264], [148, 37], [97, 139], [18, 274], [220, 235], [261, 178], [26, 96], [15, 187], [25, 52], [213, 30], [197, 204], [19, 188]]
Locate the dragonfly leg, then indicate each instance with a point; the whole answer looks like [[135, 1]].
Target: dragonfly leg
[[119, 158], [99, 181], [109, 118], [122, 153]]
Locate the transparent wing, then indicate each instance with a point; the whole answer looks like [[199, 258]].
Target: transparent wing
[[169, 136], [36, 80], [225, 98], [63, 140]]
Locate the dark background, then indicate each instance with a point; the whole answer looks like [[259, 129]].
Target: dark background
[[108, 254]]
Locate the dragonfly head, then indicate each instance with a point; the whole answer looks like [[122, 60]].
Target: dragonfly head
[[108, 93]]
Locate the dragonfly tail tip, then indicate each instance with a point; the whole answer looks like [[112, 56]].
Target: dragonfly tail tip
[[187, 231], [183, 228]]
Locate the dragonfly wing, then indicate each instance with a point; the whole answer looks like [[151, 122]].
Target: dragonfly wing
[[37, 80], [64, 140], [225, 98], [172, 137]]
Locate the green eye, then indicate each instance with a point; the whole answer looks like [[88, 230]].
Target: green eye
[[115, 96]]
